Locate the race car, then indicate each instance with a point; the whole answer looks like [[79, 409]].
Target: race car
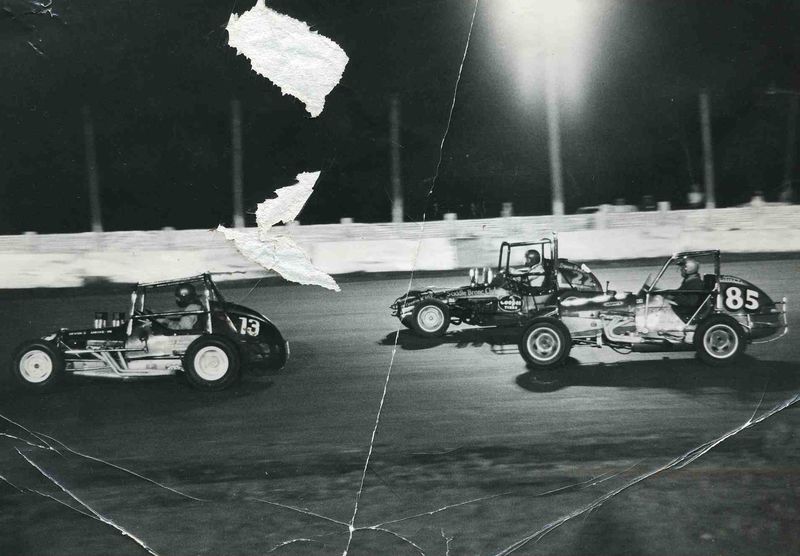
[[507, 298], [717, 315], [209, 339]]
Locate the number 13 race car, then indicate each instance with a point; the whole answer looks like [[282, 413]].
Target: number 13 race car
[[715, 314], [208, 338]]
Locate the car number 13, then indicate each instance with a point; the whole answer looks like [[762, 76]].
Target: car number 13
[[735, 298], [249, 326]]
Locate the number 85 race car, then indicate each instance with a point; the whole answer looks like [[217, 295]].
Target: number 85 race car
[[208, 338], [715, 314]]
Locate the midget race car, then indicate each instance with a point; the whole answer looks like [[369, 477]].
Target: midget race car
[[211, 341], [506, 298], [718, 316]]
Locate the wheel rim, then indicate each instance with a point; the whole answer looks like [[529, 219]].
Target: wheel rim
[[36, 366], [721, 341], [211, 363], [544, 344], [430, 318]]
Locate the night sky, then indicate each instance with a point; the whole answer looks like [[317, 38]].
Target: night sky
[[159, 77]]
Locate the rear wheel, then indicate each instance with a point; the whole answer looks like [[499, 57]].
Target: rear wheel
[[719, 340], [430, 318], [38, 365], [545, 343], [211, 363]]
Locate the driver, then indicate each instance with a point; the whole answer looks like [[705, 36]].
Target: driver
[[687, 303], [533, 263], [187, 299], [690, 272]]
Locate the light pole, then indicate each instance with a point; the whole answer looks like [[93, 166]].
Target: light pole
[[236, 162], [554, 133], [708, 150], [552, 42], [91, 170], [394, 147], [787, 187]]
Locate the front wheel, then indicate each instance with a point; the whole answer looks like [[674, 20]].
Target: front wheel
[[430, 318], [545, 343], [211, 363], [719, 340], [38, 365]]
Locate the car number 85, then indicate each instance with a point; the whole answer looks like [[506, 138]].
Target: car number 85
[[735, 298], [249, 326]]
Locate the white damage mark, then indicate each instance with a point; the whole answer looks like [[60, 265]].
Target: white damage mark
[[397, 536], [120, 468], [47, 446], [382, 526], [447, 541], [2, 478], [676, 463], [100, 517], [352, 528], [286, 51], [292, 541], [299, 510], [275, 250]]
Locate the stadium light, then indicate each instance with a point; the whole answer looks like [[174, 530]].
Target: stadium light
[[548, 41]]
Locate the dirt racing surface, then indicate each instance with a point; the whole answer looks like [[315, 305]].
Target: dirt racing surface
[[473, 453]]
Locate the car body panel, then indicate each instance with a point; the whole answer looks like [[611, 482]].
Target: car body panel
[[508, 299], [143, 346], [668, 318]]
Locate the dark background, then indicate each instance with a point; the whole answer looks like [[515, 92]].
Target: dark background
[[159, 76]]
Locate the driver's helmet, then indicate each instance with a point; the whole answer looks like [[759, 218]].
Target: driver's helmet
[[185, 294], [532, 257], [689, 267]]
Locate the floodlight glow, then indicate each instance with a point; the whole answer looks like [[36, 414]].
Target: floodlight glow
[[559, 33]]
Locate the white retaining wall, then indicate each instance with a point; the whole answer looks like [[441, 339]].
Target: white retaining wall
[[62, 260]]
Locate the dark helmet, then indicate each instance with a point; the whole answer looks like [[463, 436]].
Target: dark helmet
[[689, 266], [532, 257], [185, 294]]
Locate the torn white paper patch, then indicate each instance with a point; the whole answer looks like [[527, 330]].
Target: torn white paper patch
[[286, 51], [276, 251], [289, 203], [281, 254]]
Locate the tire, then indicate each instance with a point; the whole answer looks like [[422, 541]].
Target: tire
[[545, 343], [719, 340], [38, 365], [212, 363], [407, 322], [430, 318]]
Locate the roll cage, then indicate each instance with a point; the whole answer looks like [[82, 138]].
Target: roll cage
[[711, 283], [210, 293], [544, 244], [683, 255]]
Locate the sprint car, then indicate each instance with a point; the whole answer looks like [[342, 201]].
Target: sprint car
[[718, 317], [507, 297], [220, 340]]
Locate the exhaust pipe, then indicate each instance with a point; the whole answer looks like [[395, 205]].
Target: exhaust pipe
[[118, 319], [100, 319]]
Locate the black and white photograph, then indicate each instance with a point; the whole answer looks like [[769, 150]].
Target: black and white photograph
[[410, 277]]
